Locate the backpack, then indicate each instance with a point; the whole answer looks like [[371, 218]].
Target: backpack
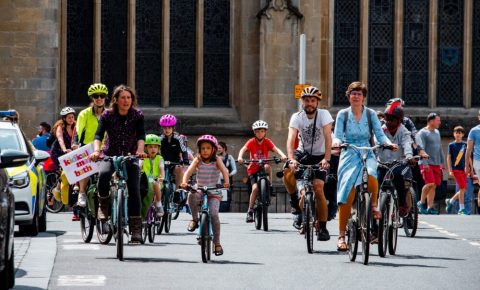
[[369, 118], [50, 140], [225, 159]]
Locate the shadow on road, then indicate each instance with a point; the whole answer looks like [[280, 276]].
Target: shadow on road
[[150, 260], [404, 265], [234, 262], [428, 258], [433, 238], [19, 273]]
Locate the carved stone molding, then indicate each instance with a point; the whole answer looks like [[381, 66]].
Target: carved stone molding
[[279, 5]]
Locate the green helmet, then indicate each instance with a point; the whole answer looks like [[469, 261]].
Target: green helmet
[[97, 88], [152, 139]]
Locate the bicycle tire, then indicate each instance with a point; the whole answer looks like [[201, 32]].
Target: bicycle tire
[[257, 216], [119, 225], [352, 238], [204, 237], [104, 232], [308, 222], [51, 181], [365, 223], [87, 223], [144, 233], [412, 216], [168, 222], [151, 214], [265, 200], [177, 213], [383, 223], [393, 230]]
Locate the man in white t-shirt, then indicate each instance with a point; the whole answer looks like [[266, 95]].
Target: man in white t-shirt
[[313, 126]]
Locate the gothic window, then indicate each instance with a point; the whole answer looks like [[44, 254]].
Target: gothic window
[[476, 55], [450, 53], [415, 52], [346, 47], [79, 51], [380, 50]]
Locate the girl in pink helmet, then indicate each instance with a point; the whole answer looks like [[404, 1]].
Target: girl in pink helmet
[[208, 167]]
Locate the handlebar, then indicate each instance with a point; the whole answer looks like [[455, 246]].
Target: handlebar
[[171, 163], [125, 158], [391, 164], [205, 189], [275, 159], [378, 146]]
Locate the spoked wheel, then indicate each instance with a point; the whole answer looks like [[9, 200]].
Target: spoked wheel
[[410, 222], [87, 224], [151, 226], [308, 222], [205, 242], [166, 222], [365, 224], [383, 225], [119, 225], [104, 232], [52, 205], [393, 230], [144, 232], [352, 238], [257, 216], [265, 201], [175, 208]]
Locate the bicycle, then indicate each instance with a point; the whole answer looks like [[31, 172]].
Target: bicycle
[[87, 214], [389, 206], [262, 202], [52, 179], [167, 198], [360, 221], [410, 222]]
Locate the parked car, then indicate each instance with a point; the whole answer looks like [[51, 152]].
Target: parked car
[[28, 180], [8, 158]]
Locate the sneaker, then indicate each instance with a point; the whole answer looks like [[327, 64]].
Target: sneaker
[[160, 211], [75, 217], [249, 218], [323, 235], [82, 200], [422, 209], [432, 211], [462, 212], [448, 208], [56, 194], [297, 220]]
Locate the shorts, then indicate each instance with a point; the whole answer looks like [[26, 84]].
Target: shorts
[[434, 174], [307, 159], [460, 178], [476, 167]]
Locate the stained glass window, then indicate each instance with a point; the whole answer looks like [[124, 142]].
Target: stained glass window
[[415, 52], [148, 58], [450, 53], [346, 47], [79, 51]]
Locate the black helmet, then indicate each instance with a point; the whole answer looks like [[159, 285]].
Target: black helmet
[[395, 110]]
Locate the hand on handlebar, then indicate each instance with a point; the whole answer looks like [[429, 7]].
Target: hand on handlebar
[[95, 156], [184, 185], [293, 164], [240, 160], [226, 185], [325, 164], [141, 154]]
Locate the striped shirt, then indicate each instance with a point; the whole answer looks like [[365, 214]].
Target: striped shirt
[[207, 174]]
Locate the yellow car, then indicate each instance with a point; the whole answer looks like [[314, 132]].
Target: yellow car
[[28, 181]]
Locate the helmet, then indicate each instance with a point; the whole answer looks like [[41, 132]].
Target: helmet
[[260, 124], [311, 91], [67, 110], [395, 100], [152, 139], [208, 138], [168, 120], [396, 110], [97, 88]]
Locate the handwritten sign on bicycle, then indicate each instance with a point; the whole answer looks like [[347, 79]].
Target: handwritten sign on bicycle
[[77, 165]]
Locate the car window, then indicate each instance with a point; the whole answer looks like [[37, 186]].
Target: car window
[[9, 139]]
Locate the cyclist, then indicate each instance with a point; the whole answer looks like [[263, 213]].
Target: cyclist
[[356, 131], [172, 146], [153, 173], [258, 146], [208, 167], [87, 123], [314, 127], [124, 125], [64, 130]]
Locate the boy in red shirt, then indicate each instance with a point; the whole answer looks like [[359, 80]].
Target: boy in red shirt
[[259, 146]]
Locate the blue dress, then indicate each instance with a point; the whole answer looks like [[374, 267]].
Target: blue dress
[[350, 165]]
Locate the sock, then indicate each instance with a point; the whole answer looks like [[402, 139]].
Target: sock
[[462, 206], [80, 193], [323, 225], [158, 204]]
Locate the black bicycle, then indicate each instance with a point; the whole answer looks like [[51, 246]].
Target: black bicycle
[[167, 198], [262, 202]]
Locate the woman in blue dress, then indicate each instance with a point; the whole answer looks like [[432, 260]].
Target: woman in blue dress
[[356, 132]]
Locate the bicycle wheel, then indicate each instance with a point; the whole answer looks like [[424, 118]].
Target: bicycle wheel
[[352, 238], [119, 224], [383, 224], [87, 223], [410, 222], [174, 208], [265, 196], [144, 232], [308, 221], [393, 229], [365, 223], [204, 237], [151, 214], [104, 232], [51, 181], [257, 216]]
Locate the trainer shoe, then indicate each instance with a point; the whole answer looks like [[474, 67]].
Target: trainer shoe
[[75, 217], [462, 212], [448, 208], [297, 220], [160, 211], [249, 218], [432, 211], [422, 209], [82, 200], [323, 235]]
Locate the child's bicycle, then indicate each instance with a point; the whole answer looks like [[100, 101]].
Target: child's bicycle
[[167, 197]]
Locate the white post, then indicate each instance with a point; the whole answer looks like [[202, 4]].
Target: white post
[[301, 63]]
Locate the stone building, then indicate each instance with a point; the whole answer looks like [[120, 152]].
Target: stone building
[[219, 65]]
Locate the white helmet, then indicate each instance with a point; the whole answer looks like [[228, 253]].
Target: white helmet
[[67, 110], [260, 124]]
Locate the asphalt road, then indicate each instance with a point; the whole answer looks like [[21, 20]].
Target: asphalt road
[[444, 255]]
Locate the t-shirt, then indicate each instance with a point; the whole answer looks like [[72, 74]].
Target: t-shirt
[[304, 125], [40, 142], [431, 142], [474, 135], [258, 151], [457, 155]]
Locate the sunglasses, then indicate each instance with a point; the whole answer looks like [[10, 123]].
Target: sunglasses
[[98, 96]]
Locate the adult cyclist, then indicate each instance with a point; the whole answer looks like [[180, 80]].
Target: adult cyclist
[[87, 123], [172, 147]]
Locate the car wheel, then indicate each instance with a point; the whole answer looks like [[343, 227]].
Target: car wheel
[[43, 221], [7, 275], [33, 228]]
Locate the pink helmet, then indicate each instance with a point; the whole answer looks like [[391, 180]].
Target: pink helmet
[[208, 138], [168, 120]]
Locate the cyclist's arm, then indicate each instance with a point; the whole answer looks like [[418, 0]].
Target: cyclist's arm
[[81, 124], [161, 169], [292, 134], [327, 133], [242, 152], [406, 143], [279, 152], [189, 172], [224, 171], [61, 142]]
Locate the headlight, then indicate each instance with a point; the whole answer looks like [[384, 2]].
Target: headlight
[[20, 180]]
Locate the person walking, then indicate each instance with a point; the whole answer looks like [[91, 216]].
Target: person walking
[[456, 168], [473, 146], [40, 141]]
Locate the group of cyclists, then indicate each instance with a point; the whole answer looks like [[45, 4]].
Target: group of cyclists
[[312, 140]]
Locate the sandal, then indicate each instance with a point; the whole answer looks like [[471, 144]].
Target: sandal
[[376, 213], [218, 251], [341, 244], [193, 225]]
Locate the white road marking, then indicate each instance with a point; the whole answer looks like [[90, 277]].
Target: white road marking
[[474, 244], [87, 247], [81, 280], [445, 232], [71, 241]]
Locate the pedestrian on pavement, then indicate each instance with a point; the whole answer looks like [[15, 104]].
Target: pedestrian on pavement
[[456, 168], [228, 161], [429, 139], [473, 145], [40, 141]]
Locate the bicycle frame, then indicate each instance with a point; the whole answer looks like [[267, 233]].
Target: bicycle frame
[[119, 187]]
